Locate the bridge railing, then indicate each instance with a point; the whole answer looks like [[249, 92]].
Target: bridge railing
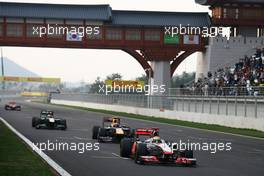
[[246, 106]]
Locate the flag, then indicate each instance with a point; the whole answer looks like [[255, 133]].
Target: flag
[[191, 39], [169, 39], [74, 36]]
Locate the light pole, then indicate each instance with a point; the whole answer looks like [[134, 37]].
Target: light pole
[[3, 72]]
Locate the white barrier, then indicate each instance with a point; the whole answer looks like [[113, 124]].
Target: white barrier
[[228, 121]]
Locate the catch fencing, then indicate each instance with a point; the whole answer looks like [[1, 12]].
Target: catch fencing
[[245, 106]]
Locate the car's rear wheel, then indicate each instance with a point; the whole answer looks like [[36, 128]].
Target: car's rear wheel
[[125, 147], [64, 123], [140, 151], [95, 132], [34, 121]]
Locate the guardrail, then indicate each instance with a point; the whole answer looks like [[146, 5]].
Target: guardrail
[[246, 106]]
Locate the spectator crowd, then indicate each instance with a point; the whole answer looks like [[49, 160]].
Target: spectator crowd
[[246, 77]]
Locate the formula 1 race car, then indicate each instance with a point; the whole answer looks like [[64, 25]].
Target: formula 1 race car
[[47, 120], [153, 149], [13, 106], [111, 133]]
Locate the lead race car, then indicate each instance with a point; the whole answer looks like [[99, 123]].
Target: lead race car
[[47, 120], [153, 149], [13, 106], [112, 132]]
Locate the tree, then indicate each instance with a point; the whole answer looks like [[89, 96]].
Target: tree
[[144, 78], [182, 80], [114, 76], [95, 87]]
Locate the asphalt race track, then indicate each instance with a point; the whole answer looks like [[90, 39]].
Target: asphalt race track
[[245, 159]]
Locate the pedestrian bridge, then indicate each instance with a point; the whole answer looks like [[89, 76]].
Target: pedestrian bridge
[[138, 33]]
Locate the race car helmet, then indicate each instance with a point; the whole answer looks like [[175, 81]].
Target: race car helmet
[[49, 116], [115, 125], [155, 133], [156, 139]]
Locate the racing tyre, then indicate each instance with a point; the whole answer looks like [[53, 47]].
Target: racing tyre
[[64, 123], [34, 121], [102, 132], [188, 153], [95, 131], [125, 147], [132, 133], [141, 151]]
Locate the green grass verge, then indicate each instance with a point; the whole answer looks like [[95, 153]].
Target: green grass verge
[[16, 159], [219, 128]]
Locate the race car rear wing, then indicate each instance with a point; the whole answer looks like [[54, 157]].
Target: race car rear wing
[[146, 131]]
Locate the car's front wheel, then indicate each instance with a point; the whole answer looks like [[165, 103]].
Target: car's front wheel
[[188, 153], [140, 151], [64, 124], [95, 132], [125, 147]]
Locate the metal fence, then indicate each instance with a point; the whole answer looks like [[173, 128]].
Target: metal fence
[[218, 91], [247, 106], [9, 94]]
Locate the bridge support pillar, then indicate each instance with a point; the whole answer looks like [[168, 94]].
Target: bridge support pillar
[[161, 76], [202, 65]]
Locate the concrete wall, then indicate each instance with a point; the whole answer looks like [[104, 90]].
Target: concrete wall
[[229, 121], [222, 52]]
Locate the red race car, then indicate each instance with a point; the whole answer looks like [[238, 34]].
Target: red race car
[[153, 149], [13, 106]]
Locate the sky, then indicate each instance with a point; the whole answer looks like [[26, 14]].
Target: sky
[[74, 65]]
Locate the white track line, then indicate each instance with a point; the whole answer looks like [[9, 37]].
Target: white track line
[[119, 156], [79, 138], [51, 162]]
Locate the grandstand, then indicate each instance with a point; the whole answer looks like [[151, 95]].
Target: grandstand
[[247, 75]]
